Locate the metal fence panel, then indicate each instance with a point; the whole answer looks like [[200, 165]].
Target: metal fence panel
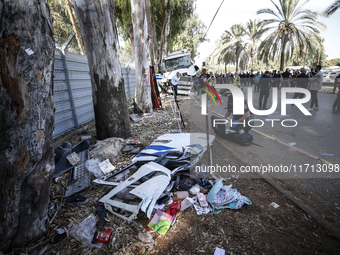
[[72, 71]]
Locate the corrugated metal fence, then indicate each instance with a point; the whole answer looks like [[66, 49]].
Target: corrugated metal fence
[[73, 92]]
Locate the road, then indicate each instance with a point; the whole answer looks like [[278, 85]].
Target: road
[[315, 134]]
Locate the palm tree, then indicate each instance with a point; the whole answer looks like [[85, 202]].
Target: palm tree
[[233, 43], [333, 8], [253, 32], [221, 53], [291, 26]]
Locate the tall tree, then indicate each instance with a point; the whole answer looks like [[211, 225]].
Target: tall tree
[[290, 26], [233, 42], [64, 24], [27, 119], [75, 28], [191, 36], [253, 32], [142, 72], [332, 8], [98, 27], [179, 11]]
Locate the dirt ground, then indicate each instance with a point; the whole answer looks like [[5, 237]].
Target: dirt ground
[[254, 229]]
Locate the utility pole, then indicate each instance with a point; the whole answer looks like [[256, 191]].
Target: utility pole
[[207, 119]]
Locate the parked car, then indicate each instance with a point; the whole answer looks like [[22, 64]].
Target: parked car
[[333, 75], [326, 79]]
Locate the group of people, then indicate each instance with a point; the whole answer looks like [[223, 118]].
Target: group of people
[[265, 80]]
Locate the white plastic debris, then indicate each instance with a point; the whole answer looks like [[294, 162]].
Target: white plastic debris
[[106, 166], [275, 205]]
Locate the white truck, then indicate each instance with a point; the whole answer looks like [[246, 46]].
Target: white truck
[[178, 61]]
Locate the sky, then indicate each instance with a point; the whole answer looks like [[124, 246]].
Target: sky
[[240, 11]]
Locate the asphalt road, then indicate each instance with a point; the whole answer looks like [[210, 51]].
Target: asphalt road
[[315, 134]]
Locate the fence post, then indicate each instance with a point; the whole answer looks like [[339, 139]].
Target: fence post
[[69, 89]]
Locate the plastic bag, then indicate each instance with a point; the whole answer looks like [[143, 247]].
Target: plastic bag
[[84, 231], [92, 166], [161, 222], [195, 189]]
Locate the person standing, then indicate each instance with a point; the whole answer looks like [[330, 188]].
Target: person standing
[[315, 86], [264, 90], [174, 82], [257, 81], [237, 80], [286, 75], [336, 104], [301, 82]]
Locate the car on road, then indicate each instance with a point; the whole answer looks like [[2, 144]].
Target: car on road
[[333, 75], [326, 79]]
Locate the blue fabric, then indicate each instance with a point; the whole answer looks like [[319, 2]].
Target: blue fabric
[[220, 197]]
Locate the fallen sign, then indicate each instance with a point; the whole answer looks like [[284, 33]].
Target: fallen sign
[[149, 191]]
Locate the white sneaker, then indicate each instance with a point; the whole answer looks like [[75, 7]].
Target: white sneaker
[[310, 109], [241, 131], [316, 108]]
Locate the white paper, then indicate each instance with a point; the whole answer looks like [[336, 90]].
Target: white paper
[[29, 51], [219, 251], [106, 166], [160, 207]]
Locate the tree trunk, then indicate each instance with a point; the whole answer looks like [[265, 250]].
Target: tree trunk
[[282, 61], [148, 15], [75, 29], [142, 76], [167, 31], [154, 43], [161, 45], [99, 30], [26, 119]]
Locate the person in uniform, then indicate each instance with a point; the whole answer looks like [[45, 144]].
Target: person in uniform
[[336, 104], [174, 82], [238, 120], [264, 90]]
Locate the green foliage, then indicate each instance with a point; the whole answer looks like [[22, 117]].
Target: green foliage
[[335, 62], [290, 27], [62, 26], [179, 11], [191, 36]]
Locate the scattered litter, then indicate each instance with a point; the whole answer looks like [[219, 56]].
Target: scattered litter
[[194, 189], [102, 236], [275, 205], [135, 117], [131, 149], [73, 158], [84, 231], [161, 222], [160, 207], [29, 51], [326, 154], [199, 210], [146, 240], [76, 200], [92, 166], [86, 137], [220, 197], [101, 212], [182, 194], [51, 209], [185, 204], [219, 251], [107, 148], [61, 235], [106, 166], [292, 144], [202, 199]]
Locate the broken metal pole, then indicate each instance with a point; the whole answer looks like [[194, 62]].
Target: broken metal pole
[[207, 119]]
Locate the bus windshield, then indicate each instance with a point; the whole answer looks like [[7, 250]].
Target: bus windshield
[[176, 63]]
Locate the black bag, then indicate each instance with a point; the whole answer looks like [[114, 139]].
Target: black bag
[[185, 182], [244, 139]]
